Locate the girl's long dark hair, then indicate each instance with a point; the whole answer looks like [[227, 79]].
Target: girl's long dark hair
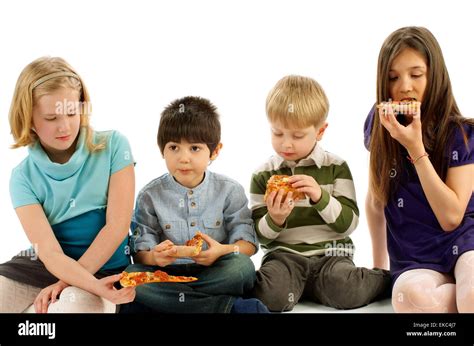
[[440, 114]]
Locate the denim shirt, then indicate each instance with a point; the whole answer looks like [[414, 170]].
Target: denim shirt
[[166, 209]]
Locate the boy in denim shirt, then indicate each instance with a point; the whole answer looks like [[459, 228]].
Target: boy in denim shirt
[[172, 208]]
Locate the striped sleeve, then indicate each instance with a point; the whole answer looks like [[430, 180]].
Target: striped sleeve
[[339, 209]]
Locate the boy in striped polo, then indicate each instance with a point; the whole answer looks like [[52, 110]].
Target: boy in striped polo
[[308, 252]]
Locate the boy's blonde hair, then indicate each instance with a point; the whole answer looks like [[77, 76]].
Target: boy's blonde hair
[[36, 80], [297, 102]]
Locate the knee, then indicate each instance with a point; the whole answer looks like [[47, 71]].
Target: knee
[[343, 293], [410, 298], [76, 300], [465, 299], [399, 296], [5, 283], [278, 300], [424, 291], [273, 294], [7, 289], [239, 269], [15, 297], [464, 282], [246, 267], [406, 298]]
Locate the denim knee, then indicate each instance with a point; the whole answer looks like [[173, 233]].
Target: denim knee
[[239, 269]]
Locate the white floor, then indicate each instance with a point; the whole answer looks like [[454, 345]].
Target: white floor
[[307, 307], [383, 306]]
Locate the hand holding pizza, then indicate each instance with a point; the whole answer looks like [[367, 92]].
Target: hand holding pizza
[[213, 252], [409, 136], [280, 206], [163, 253], [307, 185], [105, 289]]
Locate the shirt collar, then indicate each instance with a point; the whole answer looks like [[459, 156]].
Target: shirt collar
[[316, 157], [186, 190], [60, 171]]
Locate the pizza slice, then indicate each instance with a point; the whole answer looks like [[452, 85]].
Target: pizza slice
[[404, 110], [139, 278], [191, 248], [280, 182]]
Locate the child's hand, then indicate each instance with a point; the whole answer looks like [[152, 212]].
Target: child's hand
[[105, 288], [279, 208], [48, 296], [213, 252], [307, 185], [163, 253], [409, 136]]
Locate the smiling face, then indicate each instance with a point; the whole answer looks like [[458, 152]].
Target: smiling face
[[57, 127], [293, 144], [187, 162], [408, 76]]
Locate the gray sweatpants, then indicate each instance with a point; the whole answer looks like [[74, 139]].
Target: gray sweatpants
[[284, 278]]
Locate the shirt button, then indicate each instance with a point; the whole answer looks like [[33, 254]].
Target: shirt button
[[193, 204], [193, 224], [190, 192], [218, 223], [167, 226]]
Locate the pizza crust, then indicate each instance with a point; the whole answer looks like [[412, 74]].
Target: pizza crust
[[192, 248], [186, 251]]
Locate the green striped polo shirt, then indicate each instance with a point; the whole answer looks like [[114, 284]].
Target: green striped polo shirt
[[320, 228]]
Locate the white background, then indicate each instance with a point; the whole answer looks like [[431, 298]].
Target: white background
[[136, 57]]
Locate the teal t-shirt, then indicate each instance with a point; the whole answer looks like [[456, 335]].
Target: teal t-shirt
[[74, 194]]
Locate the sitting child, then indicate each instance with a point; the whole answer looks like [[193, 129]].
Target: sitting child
[[73, 195], [308, 252], [172, 208]]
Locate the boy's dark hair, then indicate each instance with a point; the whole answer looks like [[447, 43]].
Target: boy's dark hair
[[194, 119]]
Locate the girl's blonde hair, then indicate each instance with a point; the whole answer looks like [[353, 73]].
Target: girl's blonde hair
[[297, 101], [41, 77]]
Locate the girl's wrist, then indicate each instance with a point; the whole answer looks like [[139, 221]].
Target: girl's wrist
[[416, 152], [418, 158], [95, 287]]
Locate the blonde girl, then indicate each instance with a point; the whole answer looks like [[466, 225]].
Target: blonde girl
[[73, 195]]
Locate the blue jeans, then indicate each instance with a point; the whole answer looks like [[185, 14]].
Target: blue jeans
[[215, 290]]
